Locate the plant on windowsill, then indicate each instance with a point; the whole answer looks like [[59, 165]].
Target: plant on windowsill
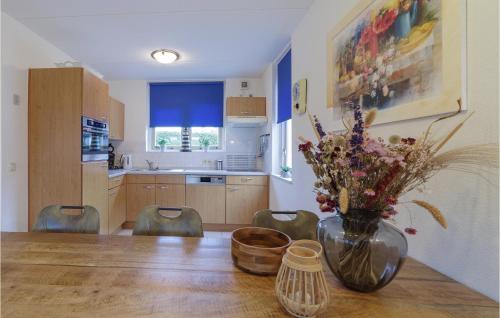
[[205, 143], [286, 172], [163, 144]]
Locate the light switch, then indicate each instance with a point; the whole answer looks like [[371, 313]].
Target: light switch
[[16, 100], [12, 166]]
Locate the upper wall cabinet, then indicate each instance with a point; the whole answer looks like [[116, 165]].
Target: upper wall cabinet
[[246, 106], [246, 111], [95, 102], [116, 119]]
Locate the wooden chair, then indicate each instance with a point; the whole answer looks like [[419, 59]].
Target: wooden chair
[[303, 227], [151, 222], [52, 219]]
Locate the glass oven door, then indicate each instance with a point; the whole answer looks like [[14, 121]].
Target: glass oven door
[[94, 140]]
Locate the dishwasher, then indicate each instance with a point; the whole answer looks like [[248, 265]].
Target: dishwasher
[[207, 195]]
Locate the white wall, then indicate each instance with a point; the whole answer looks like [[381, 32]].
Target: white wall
[[468, 250], [21, 49], [135, 96]]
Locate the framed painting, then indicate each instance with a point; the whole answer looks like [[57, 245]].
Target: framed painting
[[404, 57]]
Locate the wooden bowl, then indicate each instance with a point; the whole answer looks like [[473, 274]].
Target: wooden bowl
[[258, 250]]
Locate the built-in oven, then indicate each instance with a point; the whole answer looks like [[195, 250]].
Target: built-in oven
[[95, 137]]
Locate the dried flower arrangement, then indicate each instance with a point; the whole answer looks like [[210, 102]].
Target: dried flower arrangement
[[355, 170]]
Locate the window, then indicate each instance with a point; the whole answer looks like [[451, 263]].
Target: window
[[285, 134], [195, 108], [283, 164], [170, 138]]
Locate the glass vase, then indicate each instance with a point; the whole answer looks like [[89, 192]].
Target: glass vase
[[363, 251]]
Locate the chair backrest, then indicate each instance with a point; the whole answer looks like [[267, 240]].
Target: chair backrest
[[151, 222], [303, 227], [52, 219]]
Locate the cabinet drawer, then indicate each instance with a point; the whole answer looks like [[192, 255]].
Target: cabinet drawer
[[251, 180], [140, 178], [171, 179], [115, 182]]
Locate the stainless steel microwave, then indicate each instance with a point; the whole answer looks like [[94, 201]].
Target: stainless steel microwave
[[95, 138]]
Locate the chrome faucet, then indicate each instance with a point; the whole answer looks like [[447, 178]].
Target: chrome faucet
[[151, 165]]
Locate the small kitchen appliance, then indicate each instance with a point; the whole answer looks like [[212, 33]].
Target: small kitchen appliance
[[127, 161]]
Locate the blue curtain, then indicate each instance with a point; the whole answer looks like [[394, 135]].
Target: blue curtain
[[186, 104], [285, 88]]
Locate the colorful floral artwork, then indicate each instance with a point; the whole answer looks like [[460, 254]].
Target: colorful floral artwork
[[391, 55]]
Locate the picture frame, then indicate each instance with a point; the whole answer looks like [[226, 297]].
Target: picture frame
[[406, 71]]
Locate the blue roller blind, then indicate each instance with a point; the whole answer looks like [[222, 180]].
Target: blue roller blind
[[285, 88], [186, 104]]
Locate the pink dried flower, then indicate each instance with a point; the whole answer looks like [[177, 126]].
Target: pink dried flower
[[369, 192], [374, 146], [358, 174]]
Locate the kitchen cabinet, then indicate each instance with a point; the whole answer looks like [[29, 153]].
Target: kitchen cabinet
[[139, 195], [209, 201], [242, 201], [95, 190], [95, 99], [54, 133], [57, 100], [141, 178], [171, 191], [116, 119], [246, 106], [247, 180], [171, 195], [117, 208], [233, 203], [116, 182]]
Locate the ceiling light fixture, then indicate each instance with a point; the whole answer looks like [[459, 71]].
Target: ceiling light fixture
[[164, 56]]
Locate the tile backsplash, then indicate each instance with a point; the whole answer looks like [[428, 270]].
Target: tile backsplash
[[237, 141]]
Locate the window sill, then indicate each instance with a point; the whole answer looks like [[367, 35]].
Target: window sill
[[287, 180]]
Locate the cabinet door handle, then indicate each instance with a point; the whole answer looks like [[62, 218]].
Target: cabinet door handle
[[246, 179], [163, 187], [233, 189], [244, 113], [149, 187]]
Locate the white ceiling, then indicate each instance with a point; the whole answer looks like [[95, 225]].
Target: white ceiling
[[216, 38]]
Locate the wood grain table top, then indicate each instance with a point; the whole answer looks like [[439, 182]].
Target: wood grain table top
[[73, 275]]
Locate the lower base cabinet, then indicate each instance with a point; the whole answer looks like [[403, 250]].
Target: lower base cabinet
[[209, 201], [242, 201], [94, 190], [117, 207], [171, 195], [233, 203], [139, 196]]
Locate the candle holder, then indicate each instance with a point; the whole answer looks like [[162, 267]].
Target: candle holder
[[301, 285]]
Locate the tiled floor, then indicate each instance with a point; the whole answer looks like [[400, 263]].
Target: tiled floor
[[128, 232]]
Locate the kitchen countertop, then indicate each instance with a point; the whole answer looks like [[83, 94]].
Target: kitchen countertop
[[207, 172]]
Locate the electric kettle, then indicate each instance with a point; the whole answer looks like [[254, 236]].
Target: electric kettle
[[127, 162]]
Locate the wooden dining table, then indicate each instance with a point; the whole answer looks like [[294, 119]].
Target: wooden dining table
[[78, 275]]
